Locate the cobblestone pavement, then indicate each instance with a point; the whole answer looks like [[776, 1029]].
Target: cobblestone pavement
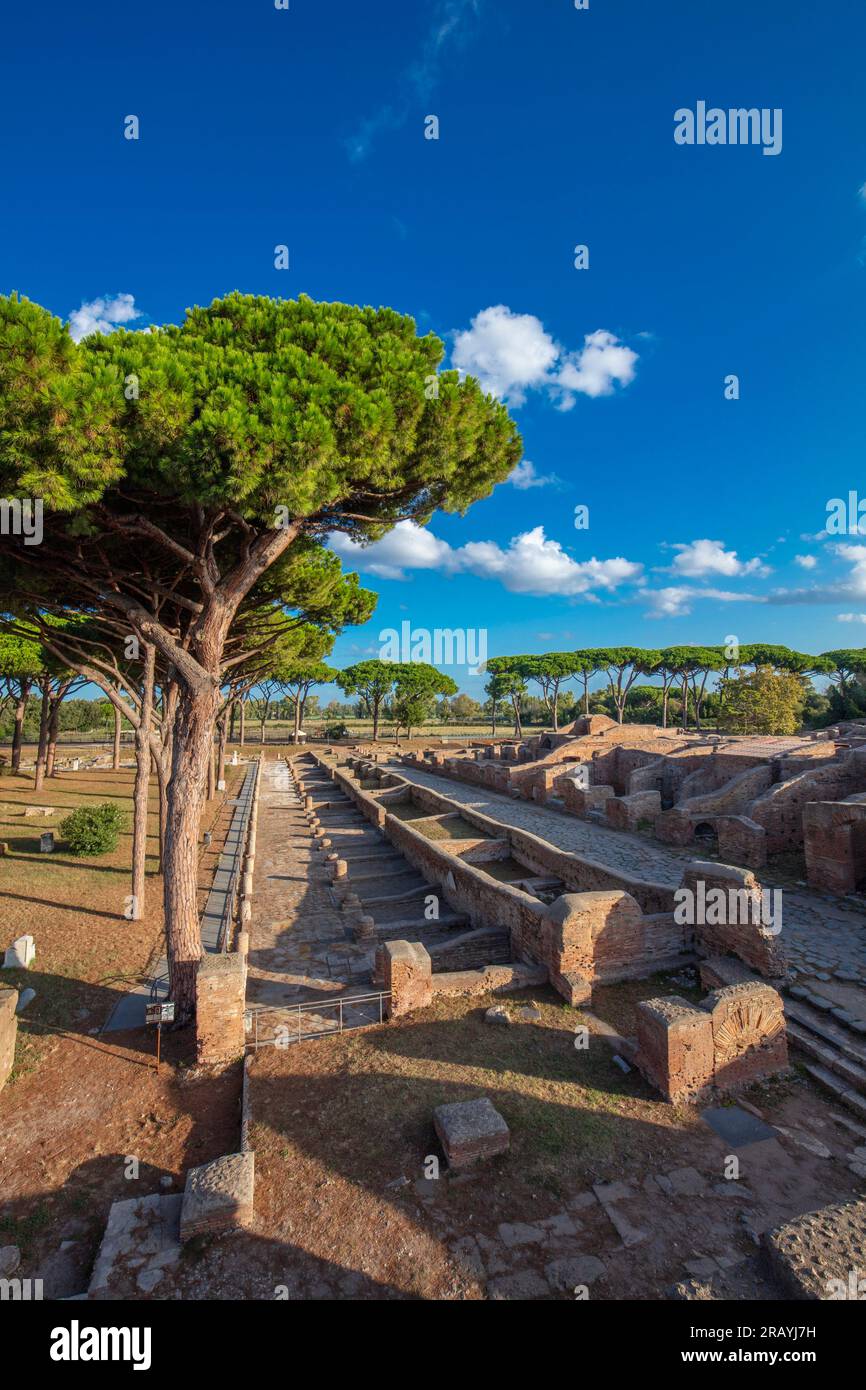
[[824, 935], [300, 945]]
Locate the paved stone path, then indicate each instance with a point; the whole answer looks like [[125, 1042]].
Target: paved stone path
[[824, 936], [300, 945]]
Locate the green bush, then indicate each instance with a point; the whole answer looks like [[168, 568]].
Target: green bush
[[93, 829], [338, 730]]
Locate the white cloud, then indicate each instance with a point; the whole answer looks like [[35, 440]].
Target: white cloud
[[529, 564], [532, 564], [407, 546], [508, 353], [677, 599], [806, 562], [102, 315], [851, 617], [593, 370], [524, 476], [452, 28], [511, 354], [705, 557]]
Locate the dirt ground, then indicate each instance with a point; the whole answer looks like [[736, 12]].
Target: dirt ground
[[77, 1105], [345, 1207]]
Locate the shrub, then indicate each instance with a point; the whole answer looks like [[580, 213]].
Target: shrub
[[333, 731], [93, 829]]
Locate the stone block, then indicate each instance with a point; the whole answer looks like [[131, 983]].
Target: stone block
[[21, 954], [218, 1196], [470, 1130], [8, 1031], [820, 1255], [749, 1038], [675, 1047]]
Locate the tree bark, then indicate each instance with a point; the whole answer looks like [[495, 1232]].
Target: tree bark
[[39, 775], [115, 754], [191, 751], [142, 786], [18, 730], [54, 727], [296, 737], [234, 710], [211, 769], [243, 721], [223, 731]]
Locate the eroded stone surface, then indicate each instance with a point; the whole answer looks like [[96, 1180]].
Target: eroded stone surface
[[218, 1196], [815, 1255], [470, 1130]]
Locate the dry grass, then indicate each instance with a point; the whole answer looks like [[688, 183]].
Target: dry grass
[[87, 952]]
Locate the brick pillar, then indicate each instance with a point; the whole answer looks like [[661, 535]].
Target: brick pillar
[[675, 1047], [404, 968], [220, 996]]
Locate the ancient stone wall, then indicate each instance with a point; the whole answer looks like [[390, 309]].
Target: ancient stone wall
[[780, 810], [735, 1037], [835, 843]]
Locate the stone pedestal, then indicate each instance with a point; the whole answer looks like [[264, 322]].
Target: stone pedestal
[[218, 1196], [470, 1130]]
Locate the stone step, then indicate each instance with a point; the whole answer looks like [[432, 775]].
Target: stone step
[[834, 1034], [851, 1078], [408, 928], [837, 1088]]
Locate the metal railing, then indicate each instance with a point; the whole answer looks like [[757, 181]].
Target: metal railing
[[352, 1011]]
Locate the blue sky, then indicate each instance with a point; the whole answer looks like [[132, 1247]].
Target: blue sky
[[305, 127]]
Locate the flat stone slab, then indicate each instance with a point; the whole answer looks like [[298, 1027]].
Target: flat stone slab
[[820, 1255], [470, 1130], [218, 1196], [141, 1233], [736, 1126]]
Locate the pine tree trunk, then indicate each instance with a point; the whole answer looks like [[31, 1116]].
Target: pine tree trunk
[[142, 786], [115, 755], [53, 731], [296, 738], [586, 695], [234, 710], [191, 751], [211, 769], [223, 730], [18, 730], [39, 776], [665, 709], [243, 721]]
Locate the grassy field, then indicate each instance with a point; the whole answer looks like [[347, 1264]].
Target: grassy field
[[87, 952], [77, 1106]]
